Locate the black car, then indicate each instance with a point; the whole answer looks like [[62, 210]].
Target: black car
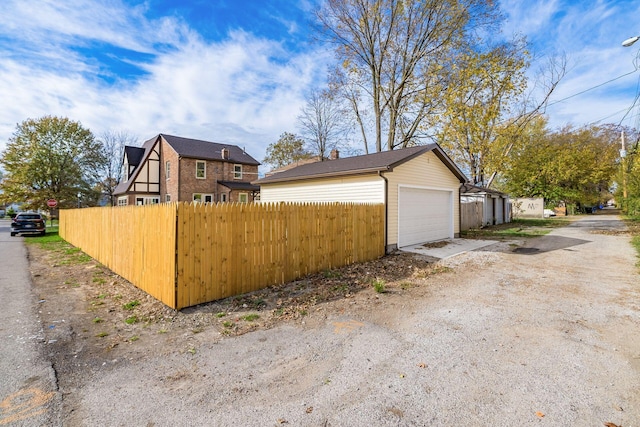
[[28, 223]]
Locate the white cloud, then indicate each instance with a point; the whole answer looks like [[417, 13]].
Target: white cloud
[[243, 90]]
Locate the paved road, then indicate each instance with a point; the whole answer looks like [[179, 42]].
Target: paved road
[[28, 394]]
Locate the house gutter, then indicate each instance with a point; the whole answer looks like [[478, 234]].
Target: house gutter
[[386, 207]]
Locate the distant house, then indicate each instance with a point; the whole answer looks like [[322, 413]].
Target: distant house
[[420, 187], [171, 168]]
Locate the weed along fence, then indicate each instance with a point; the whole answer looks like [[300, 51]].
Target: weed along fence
[[187, 254]]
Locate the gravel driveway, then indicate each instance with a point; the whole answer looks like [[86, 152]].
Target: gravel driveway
[[540, 333]]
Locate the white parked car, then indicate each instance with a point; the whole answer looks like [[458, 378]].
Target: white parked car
[[549, 212]]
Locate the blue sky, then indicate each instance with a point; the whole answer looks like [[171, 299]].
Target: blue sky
[[237, 71]]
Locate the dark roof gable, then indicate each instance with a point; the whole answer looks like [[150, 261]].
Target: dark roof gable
[[134, 155], [377, 162], [205, 150]]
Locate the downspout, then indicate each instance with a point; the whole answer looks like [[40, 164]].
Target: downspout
[[386, 207], [178, 173]]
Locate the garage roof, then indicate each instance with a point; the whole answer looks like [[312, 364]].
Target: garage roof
[[369, 163]]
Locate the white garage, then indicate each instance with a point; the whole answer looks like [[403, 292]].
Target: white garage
[[419, 186], [424, 215]]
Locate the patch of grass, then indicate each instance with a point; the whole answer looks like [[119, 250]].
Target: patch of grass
[[250, 317], [97, 320], [635, 242], [131, 305], [99, 280], [303, 312], [50, 237], [379, 285], [228, 324], [102, 334], [221, 314], [331, 274], [131, 320], [341, 288], [523, 227], [102, 296], [134, 338], [163, 331], [191, 350], [72, 283], [406, 285], [278, 312], [197, 330]]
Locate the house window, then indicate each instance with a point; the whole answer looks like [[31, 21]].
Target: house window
[[201, 169], [167, 198], [243, 197], [167, 168], [147, 200], [237, 171], [223, 197], [203, 198], [123, 201]]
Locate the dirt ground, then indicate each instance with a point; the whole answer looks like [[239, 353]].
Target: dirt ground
[[93, 318], [102, 316]]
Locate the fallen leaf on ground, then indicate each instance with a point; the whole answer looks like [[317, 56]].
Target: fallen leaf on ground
[[611, 425], [422, 365], [309, 409], [540, 414]]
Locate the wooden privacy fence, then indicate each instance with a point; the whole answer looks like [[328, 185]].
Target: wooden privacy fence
[[471, 214], [187, 254]]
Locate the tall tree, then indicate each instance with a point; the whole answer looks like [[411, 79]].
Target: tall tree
[[322, 123], [288, 149], [477, 102], [50, 157], [113, 144], [392, 54], [570, 165]]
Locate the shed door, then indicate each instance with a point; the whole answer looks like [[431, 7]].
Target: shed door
[[499, 210], [424, 215]]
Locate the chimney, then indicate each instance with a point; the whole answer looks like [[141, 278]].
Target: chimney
[[225, 153], [335, 154]]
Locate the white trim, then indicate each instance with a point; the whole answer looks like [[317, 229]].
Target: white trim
[[202, 197], [243, 196], [204, 162]]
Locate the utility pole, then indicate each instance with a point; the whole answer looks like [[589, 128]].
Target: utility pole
[[623, 156]]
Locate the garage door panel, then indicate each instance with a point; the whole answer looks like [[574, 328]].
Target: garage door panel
[[424, 215]]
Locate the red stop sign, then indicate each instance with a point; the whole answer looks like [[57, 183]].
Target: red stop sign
[[52, 203]]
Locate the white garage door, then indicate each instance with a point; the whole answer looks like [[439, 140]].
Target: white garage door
[[424, 215]]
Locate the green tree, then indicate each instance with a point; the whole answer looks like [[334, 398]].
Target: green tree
[[288, 149], [576, 166], [479, 96], [51, 157]]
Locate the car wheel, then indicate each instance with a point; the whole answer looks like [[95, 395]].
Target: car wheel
[[42, 233], [13, 234]]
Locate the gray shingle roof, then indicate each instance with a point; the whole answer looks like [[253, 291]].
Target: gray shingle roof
[[368, 163], [240, 185], [205, 150]]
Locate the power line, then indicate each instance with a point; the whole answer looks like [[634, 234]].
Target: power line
[[591, 88]]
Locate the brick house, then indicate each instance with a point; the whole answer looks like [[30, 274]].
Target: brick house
[[171, 168]]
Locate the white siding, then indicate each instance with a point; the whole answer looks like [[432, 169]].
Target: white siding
[[357, 189], [425, 171]]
